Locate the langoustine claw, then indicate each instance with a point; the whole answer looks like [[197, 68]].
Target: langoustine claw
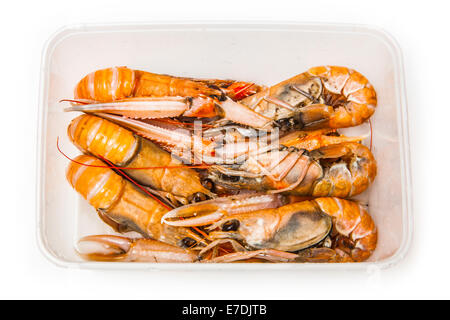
[[342, 170], [109, 248], [116, 248]]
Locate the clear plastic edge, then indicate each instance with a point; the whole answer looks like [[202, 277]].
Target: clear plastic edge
[[403, 127]]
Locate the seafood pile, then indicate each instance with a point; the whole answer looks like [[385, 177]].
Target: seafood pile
[[210, 170]]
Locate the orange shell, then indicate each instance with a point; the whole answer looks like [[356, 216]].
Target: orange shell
[[101, 187], [103, 138]]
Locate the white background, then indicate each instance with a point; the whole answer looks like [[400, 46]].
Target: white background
[[421, 28]]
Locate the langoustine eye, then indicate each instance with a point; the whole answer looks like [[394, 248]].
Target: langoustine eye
[[231, 225], [187, 242], [198, 197]]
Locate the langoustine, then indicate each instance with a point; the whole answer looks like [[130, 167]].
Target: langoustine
[[165, 175], [321, 229], [316, 165], [123, 206], [322, 97], [141, 94], [126, 208]]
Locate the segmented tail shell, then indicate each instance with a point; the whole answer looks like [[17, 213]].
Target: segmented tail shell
[[107, 85], [101, 187], [103, 138]]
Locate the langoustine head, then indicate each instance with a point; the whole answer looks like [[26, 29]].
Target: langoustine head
[[260, 222], [148, 164]]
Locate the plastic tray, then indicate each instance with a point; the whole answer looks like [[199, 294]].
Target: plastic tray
[[265, 53]]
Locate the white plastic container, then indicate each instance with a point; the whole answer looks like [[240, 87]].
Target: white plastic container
[[264, 53]]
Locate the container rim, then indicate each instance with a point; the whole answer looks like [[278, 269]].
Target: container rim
[[402, 121]]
